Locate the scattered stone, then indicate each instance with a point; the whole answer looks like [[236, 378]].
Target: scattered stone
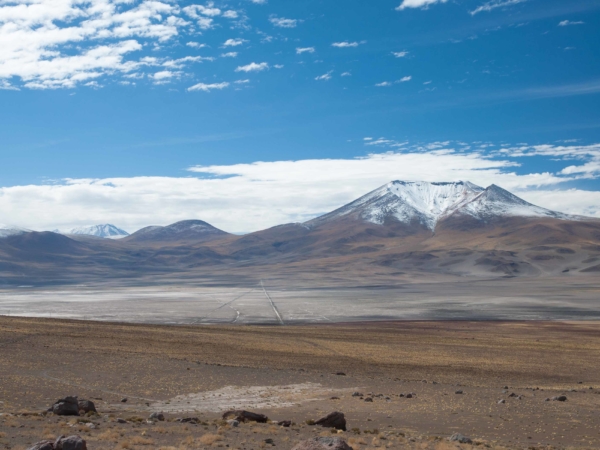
[[547, 399], [42, 445], [192, 420], [119, 420], [357, 394], [61, 443], [505, 387], [334, 398], [401, 395], [124, 400], [409, 395], [91, 426], [67, 406], [368, 399], [233, 423], [86, 406], [269, 441], [157, 416], [342, 374], [70, 443], [457, 437], [245, 416], [501, 402], [459, 392], [285, 423], [512, 395], [323, 443], [335, 420], [560, 398]]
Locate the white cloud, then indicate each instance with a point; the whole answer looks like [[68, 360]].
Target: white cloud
[[383, 84], [401, 54], [259, 2], [565, 23], [53, 44], [325, 76], [253, 67], [282, 22], [300, 50], [196, 11], [404, 79], [242, 81], [248, 197], [345, 44], [234, 42], [6, 86], [164, 76], [231, 14], [418, 4], [208, 87], [195, 45], [493, 4], [229, 55], [279, 66], [346, 74]]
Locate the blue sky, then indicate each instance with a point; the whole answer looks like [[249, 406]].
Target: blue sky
[[102, 101]]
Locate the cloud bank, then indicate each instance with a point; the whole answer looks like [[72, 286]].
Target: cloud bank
[[249, 197]]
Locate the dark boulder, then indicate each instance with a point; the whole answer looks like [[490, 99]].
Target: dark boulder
[[68, 406], [157, 416], [61, 443], [42, 445], [333, 420], [285, 423], [323, 443], [86, 406], [245, 416], [70, 443]]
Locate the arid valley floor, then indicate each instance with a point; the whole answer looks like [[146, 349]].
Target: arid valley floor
[[295, 373]]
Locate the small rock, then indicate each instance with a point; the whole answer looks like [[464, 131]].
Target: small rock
[[91, 426], [124, 400], [233, 423], [70, 443], [86, 406], [334, 398], [357, 394], [505, 387], [42, 445], [246, 416], [512, 395], [368, 399], [157, 416], [119, 420], [269, 441], [401, 395], [323, 443], [457, 437], [342, 374], [285, 423], [335, 420], [459, 392], [501, 402], [560, 398], [409, 395]]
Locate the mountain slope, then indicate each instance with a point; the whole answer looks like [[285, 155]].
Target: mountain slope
[[426, 204], [8, 230], [184, 231], [103, 231]]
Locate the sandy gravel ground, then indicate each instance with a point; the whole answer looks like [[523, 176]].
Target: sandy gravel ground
[[291, 373]]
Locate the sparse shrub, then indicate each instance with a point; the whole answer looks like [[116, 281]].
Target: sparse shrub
[[355, 430], [210, 439], [310, 422]]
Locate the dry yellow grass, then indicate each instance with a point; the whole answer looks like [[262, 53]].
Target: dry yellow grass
[[210, 439]]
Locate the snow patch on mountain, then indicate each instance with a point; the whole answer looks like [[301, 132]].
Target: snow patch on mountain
[[107, 231], [9, 230], [427, 203]]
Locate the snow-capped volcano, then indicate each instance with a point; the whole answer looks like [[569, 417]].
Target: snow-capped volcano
[[428, 203], [103, 231]]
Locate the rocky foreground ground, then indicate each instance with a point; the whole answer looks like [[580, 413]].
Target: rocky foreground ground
[[421, 385]]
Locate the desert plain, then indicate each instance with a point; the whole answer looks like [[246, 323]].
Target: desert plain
[[493, 381]]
